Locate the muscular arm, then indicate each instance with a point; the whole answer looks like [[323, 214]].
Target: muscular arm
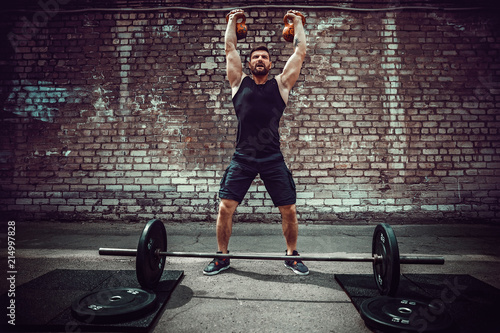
[[234, 67], [291, 72]]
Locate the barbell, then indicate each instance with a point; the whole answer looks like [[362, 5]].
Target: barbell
[[152, 251]]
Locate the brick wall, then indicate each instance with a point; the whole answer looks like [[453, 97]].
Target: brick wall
[[126, 115]]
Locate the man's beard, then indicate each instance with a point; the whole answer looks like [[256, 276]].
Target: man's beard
[[260, 70]]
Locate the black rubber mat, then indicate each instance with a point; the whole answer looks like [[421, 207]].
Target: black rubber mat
[[473, 304], [44, 304]]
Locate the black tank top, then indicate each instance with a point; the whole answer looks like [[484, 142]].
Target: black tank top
[[259, 109]]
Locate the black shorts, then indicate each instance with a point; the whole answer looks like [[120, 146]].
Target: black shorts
[[273, 171]]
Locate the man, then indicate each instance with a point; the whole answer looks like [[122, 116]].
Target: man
[[259, 104]]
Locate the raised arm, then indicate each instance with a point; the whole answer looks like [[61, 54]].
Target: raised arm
[[234, 68], [291, 71]]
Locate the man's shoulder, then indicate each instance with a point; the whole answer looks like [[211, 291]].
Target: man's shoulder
[[282, 89], [235, 89], [277, 79]]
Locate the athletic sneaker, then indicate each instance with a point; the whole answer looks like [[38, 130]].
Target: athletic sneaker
[[216, 266], [297, 266]]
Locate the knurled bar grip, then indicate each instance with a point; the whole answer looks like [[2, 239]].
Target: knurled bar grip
[[404, 259]]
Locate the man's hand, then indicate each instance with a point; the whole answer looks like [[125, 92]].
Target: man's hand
[[240, 27], [298, 26], [235, 13], [298, 22], [231, 19], [296, 17]]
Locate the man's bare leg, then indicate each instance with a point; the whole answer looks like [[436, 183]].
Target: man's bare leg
[[291, 231], [290, 227], [224, 226]]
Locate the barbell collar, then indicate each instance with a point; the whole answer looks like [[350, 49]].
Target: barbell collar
[[405, 259]]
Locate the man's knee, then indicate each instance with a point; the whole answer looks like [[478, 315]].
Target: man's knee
[[227, 207], [288, 211]]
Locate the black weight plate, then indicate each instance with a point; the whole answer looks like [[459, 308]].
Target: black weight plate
[[390, 314], [113, 305], [387, 271], [149, 266]]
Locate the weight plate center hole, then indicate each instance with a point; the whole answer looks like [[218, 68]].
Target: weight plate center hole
[[405, 311], [115, 298]]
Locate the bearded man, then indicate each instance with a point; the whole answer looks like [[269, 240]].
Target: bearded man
[[259, 103]]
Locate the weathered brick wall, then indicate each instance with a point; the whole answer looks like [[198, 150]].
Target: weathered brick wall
[[114, 115]]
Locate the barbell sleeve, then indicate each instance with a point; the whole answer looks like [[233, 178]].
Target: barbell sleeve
[[104, 251], [421, 260]]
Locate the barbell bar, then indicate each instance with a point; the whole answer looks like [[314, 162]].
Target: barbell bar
[[403, 259], [152, 251]]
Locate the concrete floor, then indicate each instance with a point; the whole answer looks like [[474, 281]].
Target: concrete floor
[[255, 296]]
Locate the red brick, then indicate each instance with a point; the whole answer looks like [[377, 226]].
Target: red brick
[[141, 109]]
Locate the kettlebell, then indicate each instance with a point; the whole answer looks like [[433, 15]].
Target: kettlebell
[[241, 28], [288, 32]]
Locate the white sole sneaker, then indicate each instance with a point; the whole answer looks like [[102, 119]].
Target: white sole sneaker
[[296, 271], [216, 272]]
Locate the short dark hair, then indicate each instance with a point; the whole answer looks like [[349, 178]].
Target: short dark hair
[[259, 48]]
